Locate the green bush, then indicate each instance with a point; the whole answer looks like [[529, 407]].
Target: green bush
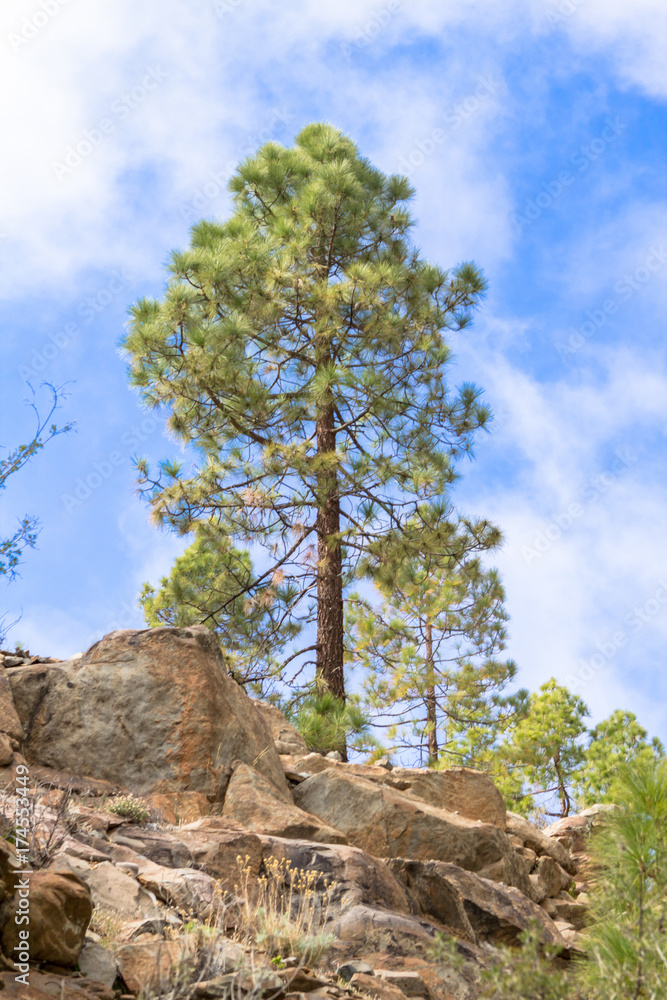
[[130, 808]]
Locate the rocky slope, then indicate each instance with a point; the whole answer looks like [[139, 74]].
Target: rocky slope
[[384, 861]]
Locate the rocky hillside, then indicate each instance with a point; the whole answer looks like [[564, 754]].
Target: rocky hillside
[[183, 842]]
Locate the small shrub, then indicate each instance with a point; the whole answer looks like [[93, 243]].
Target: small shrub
[[327, 723], [129, 807]]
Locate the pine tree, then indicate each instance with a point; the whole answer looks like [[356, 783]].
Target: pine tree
[[429, 653], [627, 943], [613, 742], [301, 349], [545, 749], [252, 631]]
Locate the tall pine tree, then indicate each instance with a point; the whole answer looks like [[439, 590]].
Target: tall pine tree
[[301, 348]]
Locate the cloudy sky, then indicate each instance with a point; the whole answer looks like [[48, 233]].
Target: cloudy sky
[[534, 133]]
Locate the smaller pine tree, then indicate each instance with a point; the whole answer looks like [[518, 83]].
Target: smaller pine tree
[[627, 943]]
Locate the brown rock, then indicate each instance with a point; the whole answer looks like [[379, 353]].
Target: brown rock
[[573, 832], [148, 964], [538, 841], [9, 865], [553, 876], [368, 929], [571, 910], [215, 845], [376, 987], [286, 738], [179, 807], [250, 800], [115, 891], [160, 846], [60, 911], [300, 980], [409, 983], [390, 823], [96, 962], [459, 790], [512, 869], [538, 890], [51, 777], [154, 709], [185, 889], [351, 875], [6, 751], [435, 897]]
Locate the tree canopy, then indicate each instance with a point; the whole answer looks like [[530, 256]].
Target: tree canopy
[[301, 348]]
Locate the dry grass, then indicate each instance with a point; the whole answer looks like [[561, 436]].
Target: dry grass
[[282, 915], [283, 912]]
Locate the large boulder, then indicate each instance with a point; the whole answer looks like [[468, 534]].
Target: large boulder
[[346, 875], [153, 709], [390, 824], [496, 913], [251, 801], [459, 790], [220, 847], [368, 929]]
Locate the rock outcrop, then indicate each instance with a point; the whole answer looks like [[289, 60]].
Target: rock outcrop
[[388, 859], [153, 710]]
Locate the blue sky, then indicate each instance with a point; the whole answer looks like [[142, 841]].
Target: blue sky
[[534, 133]]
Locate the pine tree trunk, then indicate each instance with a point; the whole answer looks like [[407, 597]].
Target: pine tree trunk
[[329, 667], [562, 791], [431, 717]]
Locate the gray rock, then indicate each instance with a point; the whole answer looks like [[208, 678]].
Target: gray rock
[[349, 969], [95, 962]]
